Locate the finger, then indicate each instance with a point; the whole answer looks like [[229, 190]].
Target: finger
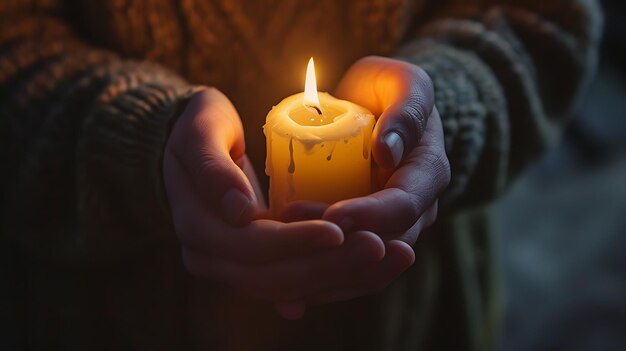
[[200, 229], [398, 259], [264, 240], [373, 83], [290, 280], [400, 93], [303, 210], [426, 220], [261, 210], [410, 190], [290, 310], [248, 170], [206, 140]]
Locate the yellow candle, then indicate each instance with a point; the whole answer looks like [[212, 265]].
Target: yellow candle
[[318, 148]]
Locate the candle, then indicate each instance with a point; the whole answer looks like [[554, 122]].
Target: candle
[[318, 148]]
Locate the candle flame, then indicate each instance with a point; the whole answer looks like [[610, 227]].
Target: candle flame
[[311, 101]]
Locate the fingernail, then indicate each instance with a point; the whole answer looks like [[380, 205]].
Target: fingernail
[[346, 224], [396, 147], [235, 205]]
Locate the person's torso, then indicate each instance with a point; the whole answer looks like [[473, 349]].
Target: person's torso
[[254, 51]]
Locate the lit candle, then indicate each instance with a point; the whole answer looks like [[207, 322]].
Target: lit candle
[[318, 148]]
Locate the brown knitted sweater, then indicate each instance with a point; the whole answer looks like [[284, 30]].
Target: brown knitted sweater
[[89, 90]]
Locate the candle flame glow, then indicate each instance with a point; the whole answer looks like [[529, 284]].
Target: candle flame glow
[[311, 101]]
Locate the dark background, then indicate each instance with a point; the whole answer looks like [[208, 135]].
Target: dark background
[[563, 225]]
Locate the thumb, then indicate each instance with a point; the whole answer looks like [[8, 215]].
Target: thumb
[[402, 95], [401, 125], [208, 143]]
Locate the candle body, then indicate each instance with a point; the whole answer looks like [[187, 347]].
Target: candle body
[[317, 158]]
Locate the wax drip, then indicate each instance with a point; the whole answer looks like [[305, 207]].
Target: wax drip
[[366, 144], [292, 164], [291, 169], [309, 145], [268, 158], [332, 150]]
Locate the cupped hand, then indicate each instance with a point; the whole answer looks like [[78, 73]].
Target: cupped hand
[[410, 165], [412, 168], [216, 205]]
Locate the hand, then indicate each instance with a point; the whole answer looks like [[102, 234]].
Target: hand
[[411, 166], [215, 204]]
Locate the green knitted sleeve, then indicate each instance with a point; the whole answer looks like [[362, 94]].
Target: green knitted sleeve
[[507, 75], [81, 136]]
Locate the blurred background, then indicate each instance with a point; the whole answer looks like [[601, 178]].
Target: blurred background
[[563, 225]]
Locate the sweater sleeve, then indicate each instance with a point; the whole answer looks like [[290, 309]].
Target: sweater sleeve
[[507, 74], [81, 133]]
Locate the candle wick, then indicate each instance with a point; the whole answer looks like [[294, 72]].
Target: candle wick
[[319, 111]]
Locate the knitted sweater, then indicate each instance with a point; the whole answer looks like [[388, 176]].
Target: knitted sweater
[[90, 89]]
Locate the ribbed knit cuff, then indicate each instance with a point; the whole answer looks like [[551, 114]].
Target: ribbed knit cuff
[[122, 201], [472, 109]]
